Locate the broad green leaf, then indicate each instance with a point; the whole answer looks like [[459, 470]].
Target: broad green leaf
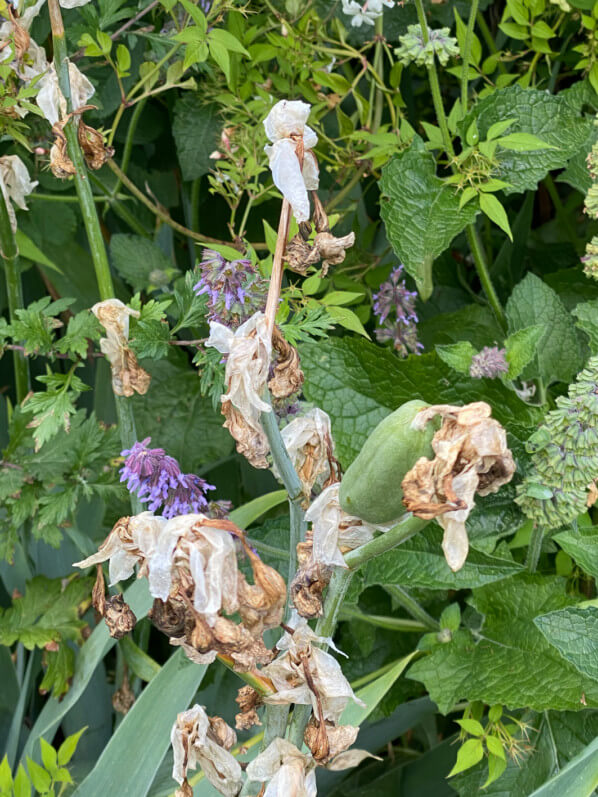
[[347, 319], [521, 348], [510, 662], [573, 631], [558, 356], [523, 142], [421, 213], [67, 749], [373, 693], [457, 355], [49, 756], [39, 777], [196, 129], [139, 261], [144, 733], [358, 384], [22, 786], [227, 40], [586, 314], [493, 208], [220, 54], [139, 663], [340, 297], [498, 128], [473, 727], [579, 777], [582, 545], [420, 562], [31, 251], [547, 116], [5, 776], [245, 515]]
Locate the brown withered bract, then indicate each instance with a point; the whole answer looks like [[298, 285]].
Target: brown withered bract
[[221, 733], [288, 376], [251, 443], [20, 35], [91, 141], [61, 165], [98, 595], [326, 740], [184, 790], [124, 697], [307, 587], [168, 617], [119, 617]]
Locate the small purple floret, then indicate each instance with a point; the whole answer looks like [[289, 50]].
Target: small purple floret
[[235, 289], [395, 307], [158, 481], [489, 363]]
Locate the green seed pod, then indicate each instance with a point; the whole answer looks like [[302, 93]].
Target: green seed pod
[[371, 487]]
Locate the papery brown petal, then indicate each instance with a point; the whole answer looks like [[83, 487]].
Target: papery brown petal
[[288, 376], [21, 36], [119, 617], [299, 255], [351, 758], [184, 790], [98, 595], [221, 733], [123, 698], [168, 617], [332, 250], [91, 141], [61, 165], [307, 588], [251, 443], [248, 700], [246, 720]]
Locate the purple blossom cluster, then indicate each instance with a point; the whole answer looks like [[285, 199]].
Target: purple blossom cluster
[[489, 363], [158, 481], [394, 306], [235, 289]]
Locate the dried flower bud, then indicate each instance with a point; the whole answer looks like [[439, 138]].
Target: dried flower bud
[[221, 733], [300, 255], [471, 456], [248, 700], [249, 349], [119, 617], [51, 100], [185, 790], [61, 165], [287, 771], [128, 377], [309, 444], [294, 167], [15, 184], [193, 743], [326, 740]]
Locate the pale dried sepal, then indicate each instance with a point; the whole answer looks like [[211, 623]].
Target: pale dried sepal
[[326, 741], [332, 250], [331, 691], [50, 99], [61, 165], [191, 653], [308, 441], [128, 377], [193, 742], [285, 769], [288, 376], [91, 141], [248, 700], [249, 351], [471, 457], [350, 759], [15, 184], [119, 617], [294, 167]]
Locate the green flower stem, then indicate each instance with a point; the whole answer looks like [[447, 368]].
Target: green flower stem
[[337, 589], [14, 289], [472, 233], [124, 409], [74, 199], [128, 148], [479, 258], [466, 54], [379, 67], [405, 601], [535, 548], [380, 621]]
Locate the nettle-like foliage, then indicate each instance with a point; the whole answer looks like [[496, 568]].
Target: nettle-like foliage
[[298, 327]]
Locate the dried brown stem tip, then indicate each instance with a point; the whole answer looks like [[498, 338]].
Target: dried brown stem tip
[[288, 376]]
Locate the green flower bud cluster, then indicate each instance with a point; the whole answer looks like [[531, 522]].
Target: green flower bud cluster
[[414, 50], [564, 455], [590, 259]]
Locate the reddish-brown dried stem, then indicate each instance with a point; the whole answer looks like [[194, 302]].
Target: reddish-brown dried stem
[[277, 265]]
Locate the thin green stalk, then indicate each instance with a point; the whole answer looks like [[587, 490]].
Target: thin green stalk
[[128, 148], [400, 533], [14, 290], [535, 548], [465, 55], [379, 67], [124, 409], [479, 258], [489, 39], [407, 602], [117, 207], [371, 676], [73, 199], [380, 621]]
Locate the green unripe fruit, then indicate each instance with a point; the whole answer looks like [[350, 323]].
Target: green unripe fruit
[[371, 487]]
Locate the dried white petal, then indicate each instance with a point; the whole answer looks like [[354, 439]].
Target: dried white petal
[[349, 759], [191, 745], [287, 771], [334, 691], [51, 100], [333, 529], [127, 375], [291, 137], [307, 440], [15, 184]]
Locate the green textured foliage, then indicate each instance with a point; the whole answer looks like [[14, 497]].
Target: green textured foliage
[[586, 314], [195, 129], [580, 776], [558, 356], [494, 667], [581, 544], [140, 262], [573, 631], [546, 116], [357, 384], [421, 213]]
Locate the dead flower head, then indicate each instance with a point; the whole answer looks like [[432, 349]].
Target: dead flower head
[[249, 700], [199, 739], [293, 164], [300, 254], [91, 141], [50, 99], [190, 562], [285, 769], [15, 185], [307, 675], [61, 165], [128, 377], [249, 351], [308, 441], [471, 457]]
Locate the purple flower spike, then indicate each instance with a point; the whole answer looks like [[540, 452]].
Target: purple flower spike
[[489, 363], [158, 481], [235, 288], [395, 307]]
